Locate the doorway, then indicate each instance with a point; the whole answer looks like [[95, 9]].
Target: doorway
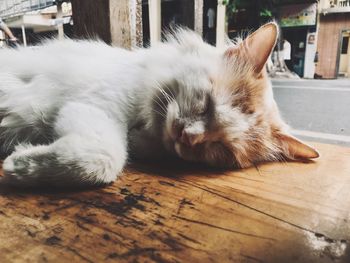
[[296, 36], [344, 55]]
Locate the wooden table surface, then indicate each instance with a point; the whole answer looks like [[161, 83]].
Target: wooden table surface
[[282, 212]]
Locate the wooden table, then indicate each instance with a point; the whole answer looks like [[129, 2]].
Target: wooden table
[[286, 212]]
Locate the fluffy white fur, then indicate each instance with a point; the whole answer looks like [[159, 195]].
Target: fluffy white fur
[[83, 97], [73, 111]]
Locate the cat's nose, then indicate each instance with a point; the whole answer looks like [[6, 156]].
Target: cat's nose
[[190, 139]]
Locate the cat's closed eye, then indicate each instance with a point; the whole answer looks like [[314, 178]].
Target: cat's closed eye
[[207, 106]]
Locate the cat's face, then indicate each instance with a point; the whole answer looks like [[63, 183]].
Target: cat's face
[[228, 117]]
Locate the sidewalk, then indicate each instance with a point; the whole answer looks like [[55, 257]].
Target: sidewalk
[[341, 82]]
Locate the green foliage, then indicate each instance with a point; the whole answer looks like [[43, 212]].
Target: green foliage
[[265, 13], [233, 5], [266, 6]]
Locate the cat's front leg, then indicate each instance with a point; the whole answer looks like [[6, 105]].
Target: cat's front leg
[[90, 149]]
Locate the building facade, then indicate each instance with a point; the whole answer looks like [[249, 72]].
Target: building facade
[[333, 39], [298, 26], [318, 31]]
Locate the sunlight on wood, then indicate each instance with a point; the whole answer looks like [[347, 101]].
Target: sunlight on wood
[[280, 212]]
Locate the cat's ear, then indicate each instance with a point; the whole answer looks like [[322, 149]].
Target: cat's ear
[[293, 148], [258, 46]]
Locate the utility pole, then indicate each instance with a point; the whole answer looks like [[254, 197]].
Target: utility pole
[[24, 36], [59, 19], [221, 24], [154, 7], [116, 22], [198, 17]]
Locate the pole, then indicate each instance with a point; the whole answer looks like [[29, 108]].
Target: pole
[[220, 24], [59, 18], [24, 36], [198, 17], [154, 8]]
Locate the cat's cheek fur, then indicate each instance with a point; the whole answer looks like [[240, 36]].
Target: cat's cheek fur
[[168, 143], [171, 115], [216, 154], [233, 124]]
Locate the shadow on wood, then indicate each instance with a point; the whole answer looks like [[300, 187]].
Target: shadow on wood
[[281, 212]]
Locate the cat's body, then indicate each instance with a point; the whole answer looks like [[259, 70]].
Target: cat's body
[[72, 110]]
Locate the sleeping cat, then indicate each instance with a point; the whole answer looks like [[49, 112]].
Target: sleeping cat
[[73, 111]]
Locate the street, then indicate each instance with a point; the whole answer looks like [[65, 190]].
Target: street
[[316, 110]]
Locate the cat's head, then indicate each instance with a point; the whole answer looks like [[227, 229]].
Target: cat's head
[[224, 113]]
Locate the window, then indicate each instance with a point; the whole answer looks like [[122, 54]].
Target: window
[[345, 45]]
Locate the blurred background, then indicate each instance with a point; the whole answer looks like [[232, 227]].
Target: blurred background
[[310, 65]]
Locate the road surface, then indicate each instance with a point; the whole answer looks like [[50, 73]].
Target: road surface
[[317, 110]]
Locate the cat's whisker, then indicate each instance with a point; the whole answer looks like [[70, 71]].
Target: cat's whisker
[[163, 115], [162, 106], [171, 93], [166, 95], [169, 98], [161, 91], [163, 112]]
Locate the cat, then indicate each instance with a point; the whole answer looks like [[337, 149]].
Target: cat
[[74, 111]]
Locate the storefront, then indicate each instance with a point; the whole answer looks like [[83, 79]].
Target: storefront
[[206, 17], [172, 13], [298, 24]]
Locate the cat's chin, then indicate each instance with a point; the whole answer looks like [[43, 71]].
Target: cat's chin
[[187, 153], [169, 144], [179, 151], [175, 147]]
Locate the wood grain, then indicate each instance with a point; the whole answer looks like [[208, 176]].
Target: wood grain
[[285, 212]]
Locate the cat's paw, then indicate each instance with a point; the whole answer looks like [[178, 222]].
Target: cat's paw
[[18, 167], [8, 166], [10, 172], [15, 167]]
